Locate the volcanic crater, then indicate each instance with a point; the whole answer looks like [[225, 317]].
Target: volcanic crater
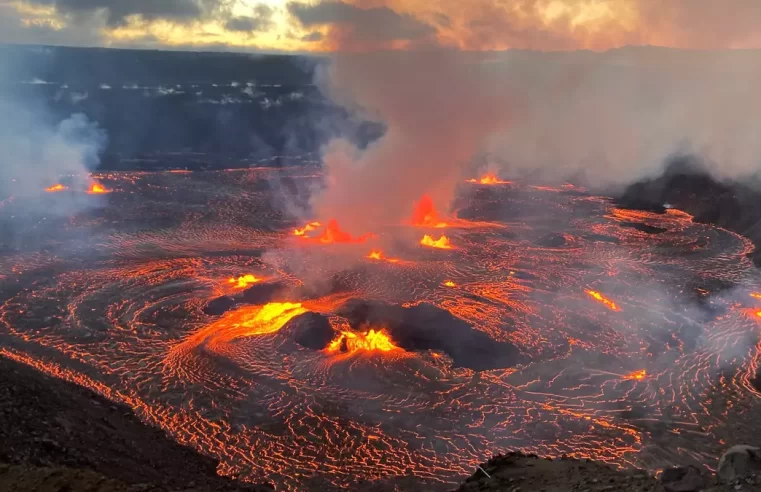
[[549, 320]]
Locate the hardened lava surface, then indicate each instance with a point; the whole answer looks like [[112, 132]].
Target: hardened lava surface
[[552, 322]]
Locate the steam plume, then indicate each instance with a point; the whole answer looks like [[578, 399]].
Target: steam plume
[[604, 119], [616, 117], [38, 149], [437, 110]]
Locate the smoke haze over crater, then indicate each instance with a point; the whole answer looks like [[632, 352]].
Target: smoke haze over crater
[[601, 119], [437, 109], [39, 150]]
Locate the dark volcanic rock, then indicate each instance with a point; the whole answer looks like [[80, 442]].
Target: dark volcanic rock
[[46, 422], [643, 227], [219, 306], [264, 293], [683, 479], [601, 238], [630, 200], [731, 205], [739, 462], [552, 240], [426, 327], [518, 472], [310, 330]]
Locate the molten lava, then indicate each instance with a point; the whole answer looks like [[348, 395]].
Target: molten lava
[[449, 283], [489, 179], [756, 295], [379, 256], [607, 302], [307, 228], [97, 189], [334, 234], [425, 214], [637, 375], [253, 320], [244, 281], [370, 341], [441, 243], [55, 187]]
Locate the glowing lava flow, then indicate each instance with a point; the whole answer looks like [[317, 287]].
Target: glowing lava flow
[[756, 295], [244, 281], [55, 187], [97, 189], [637, 375], [607, 302], [441, 243], [425, 214], [489, 179], [247, 321], [371, 341], [449, 283], [307, 228]]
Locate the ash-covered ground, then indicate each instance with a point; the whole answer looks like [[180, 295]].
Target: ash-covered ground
[[554, 323]]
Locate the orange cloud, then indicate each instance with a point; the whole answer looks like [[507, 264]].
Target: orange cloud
[[366, 25], [544, 24]]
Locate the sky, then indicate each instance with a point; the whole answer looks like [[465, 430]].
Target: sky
[[365, 25]]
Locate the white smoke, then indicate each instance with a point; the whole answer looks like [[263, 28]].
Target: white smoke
[[438, 110], [605, 119], [38, 149], [36, 152], [617, 117]]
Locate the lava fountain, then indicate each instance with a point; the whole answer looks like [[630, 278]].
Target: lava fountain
[[370, 341], [334, 234], [425, 214], [97, 189], [489, 179], [307, 228], [441, 243], [243, 281]]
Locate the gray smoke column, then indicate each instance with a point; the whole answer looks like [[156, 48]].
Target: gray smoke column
[[37, 149], [438, 110]]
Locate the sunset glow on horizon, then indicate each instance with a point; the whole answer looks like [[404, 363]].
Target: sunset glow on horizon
[[354, 25]]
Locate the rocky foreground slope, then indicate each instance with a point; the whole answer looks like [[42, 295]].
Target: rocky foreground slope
[[739, 470], [56, 436]]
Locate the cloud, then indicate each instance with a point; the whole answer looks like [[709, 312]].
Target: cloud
[[312, 37], [16, 28], [260, 21], [542, 24], [353, 27], [701, 23], [117, 11]]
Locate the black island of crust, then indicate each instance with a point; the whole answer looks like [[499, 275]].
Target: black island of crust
[[688, 187]]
